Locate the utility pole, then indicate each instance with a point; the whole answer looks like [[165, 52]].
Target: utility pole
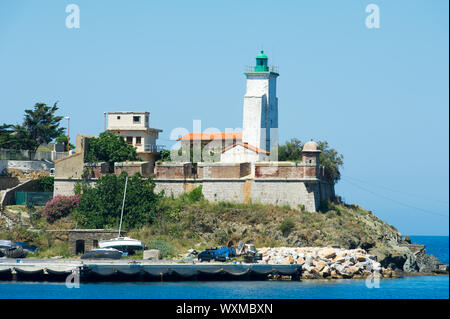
[[68, 132]]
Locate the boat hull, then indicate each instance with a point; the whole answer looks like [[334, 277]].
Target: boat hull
[[125, 245]]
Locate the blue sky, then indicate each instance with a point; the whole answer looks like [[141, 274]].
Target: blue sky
[[379, 96]]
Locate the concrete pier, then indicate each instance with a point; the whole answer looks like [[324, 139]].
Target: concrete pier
[[138, 270]]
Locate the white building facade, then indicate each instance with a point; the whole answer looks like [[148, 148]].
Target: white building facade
[[136, 130]]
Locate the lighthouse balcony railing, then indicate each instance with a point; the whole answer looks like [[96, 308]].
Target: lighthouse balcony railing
[[261, 68]]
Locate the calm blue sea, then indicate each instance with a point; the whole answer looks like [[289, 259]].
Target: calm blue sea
[[422, 287]]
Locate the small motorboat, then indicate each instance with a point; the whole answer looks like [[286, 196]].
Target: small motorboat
[[102, 253], [124, 244]]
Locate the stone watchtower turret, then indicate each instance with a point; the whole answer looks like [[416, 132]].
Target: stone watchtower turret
[[311, 153]]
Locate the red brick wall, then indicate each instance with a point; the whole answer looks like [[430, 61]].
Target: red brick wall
[[279, 171], [170, 172]]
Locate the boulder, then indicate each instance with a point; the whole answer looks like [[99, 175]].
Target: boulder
[[328, 253], [339, 259], [410, 264], [352, 270], [308, 260], [429, 263], [387, 273], [320, 265], [360, 257], [326, 271]]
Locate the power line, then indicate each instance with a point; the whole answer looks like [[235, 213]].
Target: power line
[[395, 201], [397, 191]]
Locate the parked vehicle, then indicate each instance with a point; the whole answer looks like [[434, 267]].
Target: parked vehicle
[[207, 254], [217, 254]]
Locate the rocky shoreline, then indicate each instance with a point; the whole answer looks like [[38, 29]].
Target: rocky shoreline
[[339, 263]]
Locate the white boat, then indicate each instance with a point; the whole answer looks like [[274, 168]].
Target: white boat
[[122, 243], [125, 244]]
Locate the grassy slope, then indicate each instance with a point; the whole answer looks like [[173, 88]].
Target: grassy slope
[[184, 223], [202, 224]]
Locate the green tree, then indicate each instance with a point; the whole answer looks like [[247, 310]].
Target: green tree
[[42, 124], [110, 148], [14, 137], [332, 160], [100, 205], [164, 156], [291, 151]]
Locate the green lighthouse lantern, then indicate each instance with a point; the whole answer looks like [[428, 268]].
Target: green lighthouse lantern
[[261, 62]]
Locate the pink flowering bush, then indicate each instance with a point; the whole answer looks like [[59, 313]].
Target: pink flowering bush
[[60, 206]]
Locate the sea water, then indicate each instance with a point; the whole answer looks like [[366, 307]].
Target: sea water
[[415, 287]]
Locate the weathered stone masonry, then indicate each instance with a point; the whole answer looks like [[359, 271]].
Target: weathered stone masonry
[[268, 183]]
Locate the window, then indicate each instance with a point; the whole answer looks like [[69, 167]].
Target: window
[[129, 140], [118, 117], [138, 140], [95, 243], [136, 119]]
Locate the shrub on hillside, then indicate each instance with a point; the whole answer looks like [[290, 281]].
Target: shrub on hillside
[[193, 196], [165, 248], [60, 206], [286, 226]]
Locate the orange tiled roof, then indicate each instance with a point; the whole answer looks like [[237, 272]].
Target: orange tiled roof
[[248, 146], [211, 136]]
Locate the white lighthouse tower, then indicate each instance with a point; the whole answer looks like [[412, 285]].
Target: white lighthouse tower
[[261, 106], [260, 120]]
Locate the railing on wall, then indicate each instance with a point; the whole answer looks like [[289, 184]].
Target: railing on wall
[[153, 148]]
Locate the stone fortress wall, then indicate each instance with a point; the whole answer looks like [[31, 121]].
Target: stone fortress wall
[[278, 183]]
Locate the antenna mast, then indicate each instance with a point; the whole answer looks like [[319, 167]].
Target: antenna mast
[[123, 204]]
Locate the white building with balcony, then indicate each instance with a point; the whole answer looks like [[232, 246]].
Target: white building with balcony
[[135, 128]]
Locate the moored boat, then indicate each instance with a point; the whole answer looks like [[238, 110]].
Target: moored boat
[[103, 253], [124, 244]]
